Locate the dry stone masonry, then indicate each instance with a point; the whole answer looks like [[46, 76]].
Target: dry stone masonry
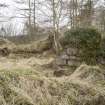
[[69, 57]]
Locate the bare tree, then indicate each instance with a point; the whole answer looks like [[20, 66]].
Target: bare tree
[[56, 17], [86, 13], [73, 12], [28, 12], [34, 12]]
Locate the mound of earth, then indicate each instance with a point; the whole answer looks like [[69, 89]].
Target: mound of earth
[[91, 74], [5, 47], [6, 43], [86, 86], [34, 47]]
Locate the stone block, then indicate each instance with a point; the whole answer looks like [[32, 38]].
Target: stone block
[[74, 63], [72, 51]]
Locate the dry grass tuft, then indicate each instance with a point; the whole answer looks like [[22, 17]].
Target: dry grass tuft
[[86, 86]]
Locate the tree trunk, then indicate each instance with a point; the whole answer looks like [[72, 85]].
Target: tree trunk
[[29, 17], [34, 14], [57, 45]]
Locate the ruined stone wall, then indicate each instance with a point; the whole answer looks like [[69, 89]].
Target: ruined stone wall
[[69, 57]]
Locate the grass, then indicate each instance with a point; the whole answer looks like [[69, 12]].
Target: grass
[[29, 87]]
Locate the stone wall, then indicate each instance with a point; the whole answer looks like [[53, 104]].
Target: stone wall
[[72, 58], [69, 57]]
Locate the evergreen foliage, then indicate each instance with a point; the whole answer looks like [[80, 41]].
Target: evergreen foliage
[[86, 39]]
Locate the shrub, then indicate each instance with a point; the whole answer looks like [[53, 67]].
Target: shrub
[[101, 53], [86, 39], [83, 37]]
